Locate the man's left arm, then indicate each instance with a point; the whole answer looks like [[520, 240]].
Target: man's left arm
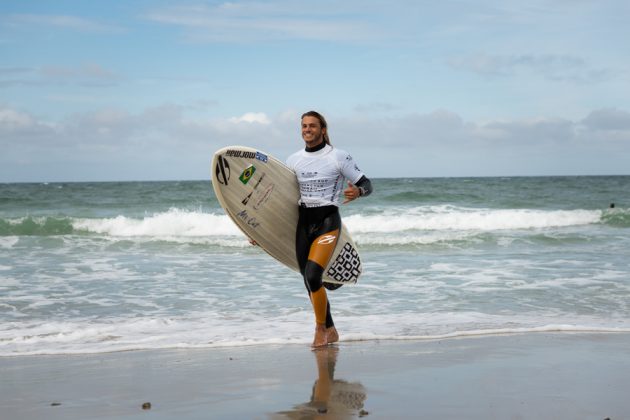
[[365, 186], [362, 188]]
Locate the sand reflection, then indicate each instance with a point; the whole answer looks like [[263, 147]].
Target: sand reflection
[[330, 397]]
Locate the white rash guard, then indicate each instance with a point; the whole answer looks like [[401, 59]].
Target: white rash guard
[[321, 174]]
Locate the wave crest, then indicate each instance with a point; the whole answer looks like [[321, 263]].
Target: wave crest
[[449, 218], [173, 223], [399, 226]]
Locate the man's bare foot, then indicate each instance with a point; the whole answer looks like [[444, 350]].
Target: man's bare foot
[[321, 336], [333, 335]]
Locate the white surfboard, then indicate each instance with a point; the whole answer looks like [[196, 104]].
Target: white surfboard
[[260, 194]]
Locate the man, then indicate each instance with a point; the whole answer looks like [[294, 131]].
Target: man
[[320, 170]]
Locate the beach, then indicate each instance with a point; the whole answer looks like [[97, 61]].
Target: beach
[[516, 376], [481, 298]]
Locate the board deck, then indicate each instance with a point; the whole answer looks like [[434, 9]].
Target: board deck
[[260, 194]]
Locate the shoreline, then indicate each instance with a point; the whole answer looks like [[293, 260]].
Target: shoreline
[[349, 338], [538, 375], [554, 330]]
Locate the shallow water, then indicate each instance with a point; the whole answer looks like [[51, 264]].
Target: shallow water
[[95, 267]]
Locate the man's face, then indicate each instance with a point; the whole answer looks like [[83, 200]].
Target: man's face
[[312, 131]]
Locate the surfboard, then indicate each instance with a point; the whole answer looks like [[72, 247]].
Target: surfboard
[[260, 194]]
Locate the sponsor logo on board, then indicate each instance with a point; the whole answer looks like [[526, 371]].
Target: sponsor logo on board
[[240, 154], [246, 199], [247, 174], [264, 196], [262, 157], [259, 180], [223, 170], [249, 220]]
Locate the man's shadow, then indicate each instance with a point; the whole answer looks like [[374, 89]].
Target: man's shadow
[[330, 397]]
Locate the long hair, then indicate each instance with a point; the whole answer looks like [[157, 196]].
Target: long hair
[[322, 122]]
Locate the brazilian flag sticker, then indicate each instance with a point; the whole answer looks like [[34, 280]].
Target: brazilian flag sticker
[[247, 174]]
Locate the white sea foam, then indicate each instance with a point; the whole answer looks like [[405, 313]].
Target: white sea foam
[[173, 223], [8, 241], [449, 218], [74, 337], [411, 238], [418, 225]]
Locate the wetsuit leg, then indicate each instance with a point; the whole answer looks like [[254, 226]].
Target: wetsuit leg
[[320, 252], [316, 239]]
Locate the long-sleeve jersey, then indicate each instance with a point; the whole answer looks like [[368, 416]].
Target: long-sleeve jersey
[[321, 174]]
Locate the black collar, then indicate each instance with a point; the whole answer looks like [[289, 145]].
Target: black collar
[[320, 146]]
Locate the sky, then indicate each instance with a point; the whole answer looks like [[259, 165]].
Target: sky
[[148, 90]]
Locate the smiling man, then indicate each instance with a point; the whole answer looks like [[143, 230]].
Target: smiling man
[[321, 170]]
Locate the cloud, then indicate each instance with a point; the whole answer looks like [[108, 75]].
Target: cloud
[[558, 67], [528, 132], [17, 76], [11, 119], [252, 117], [8, 71], [265, 21], [88, 74], [166, 142], [608, 119], [21, 128], [68, 22], [376, 107], [442, 143], [157, 130]]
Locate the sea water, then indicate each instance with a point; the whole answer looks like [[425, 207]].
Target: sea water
[[99, 267]]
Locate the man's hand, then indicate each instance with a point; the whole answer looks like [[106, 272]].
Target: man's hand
[[351, 193]]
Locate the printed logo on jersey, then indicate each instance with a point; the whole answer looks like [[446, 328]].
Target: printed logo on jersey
[[308, 174], [223, 170], [262, 157], [327, 239], [349, 159], [247, 174]]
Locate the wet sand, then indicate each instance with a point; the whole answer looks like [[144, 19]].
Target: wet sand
[[529, 376]]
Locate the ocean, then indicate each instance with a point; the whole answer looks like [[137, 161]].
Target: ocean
[[113, 266]]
